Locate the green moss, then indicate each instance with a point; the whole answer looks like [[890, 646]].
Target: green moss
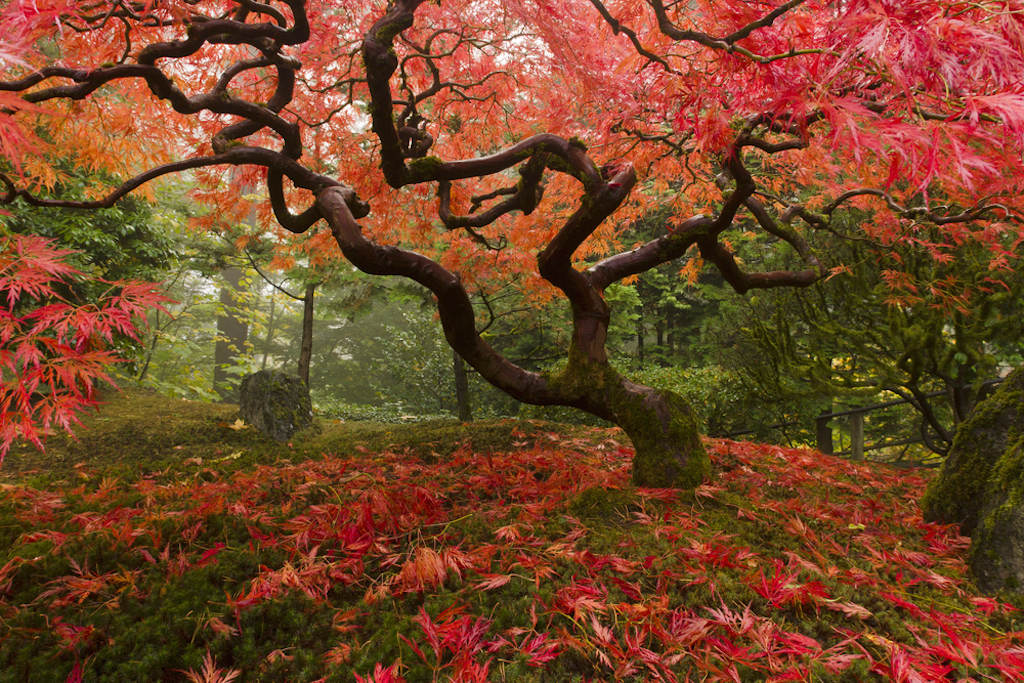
[[1008, 472], [386, 34], [597, 502], [556, 163], [139, 431], [979, 457], [661, 441], [425, 168]]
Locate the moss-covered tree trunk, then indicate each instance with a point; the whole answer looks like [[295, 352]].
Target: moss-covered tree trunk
[[661, 425], [981, 487], [664, 431], [666, 437]]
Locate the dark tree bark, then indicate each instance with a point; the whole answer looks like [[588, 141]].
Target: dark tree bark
[[461, 388]]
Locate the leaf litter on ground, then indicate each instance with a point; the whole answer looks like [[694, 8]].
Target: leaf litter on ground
[[538, 562]]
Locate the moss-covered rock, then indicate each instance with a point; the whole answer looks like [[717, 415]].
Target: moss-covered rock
[[981, 488], [275, 403], [997, 546]]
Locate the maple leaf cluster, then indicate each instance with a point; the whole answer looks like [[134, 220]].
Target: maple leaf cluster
[[795, 566], [54, 352]]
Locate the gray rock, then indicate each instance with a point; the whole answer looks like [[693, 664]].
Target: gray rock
[[275, 403]]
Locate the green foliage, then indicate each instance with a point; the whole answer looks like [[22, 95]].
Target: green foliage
[[713, 392], [126, 241], [857, 338]]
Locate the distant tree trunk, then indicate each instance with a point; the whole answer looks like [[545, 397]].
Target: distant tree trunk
[[232, 333], [155, 329], [306, 351], [270, 334], [462, 388]]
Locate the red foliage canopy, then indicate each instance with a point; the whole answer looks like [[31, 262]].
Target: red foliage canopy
[[462, 141], [54, 351]]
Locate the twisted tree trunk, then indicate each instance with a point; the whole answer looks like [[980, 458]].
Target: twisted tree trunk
[[661, 425]]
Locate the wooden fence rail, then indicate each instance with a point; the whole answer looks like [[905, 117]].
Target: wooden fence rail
[[858, 447]]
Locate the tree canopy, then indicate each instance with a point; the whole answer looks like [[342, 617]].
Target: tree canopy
[[467, 143]]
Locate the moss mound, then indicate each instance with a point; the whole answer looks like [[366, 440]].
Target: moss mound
[[137, 431]]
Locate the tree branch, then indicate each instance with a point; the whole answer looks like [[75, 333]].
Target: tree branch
[[656, 252], [453, 303]]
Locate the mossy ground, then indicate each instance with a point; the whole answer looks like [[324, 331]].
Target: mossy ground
[[138, 431], [148, 548]]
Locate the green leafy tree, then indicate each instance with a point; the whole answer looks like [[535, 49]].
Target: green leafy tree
[[858, 338]]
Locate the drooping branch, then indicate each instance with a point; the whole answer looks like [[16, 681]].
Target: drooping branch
[[823, 220], [454, 305], [267, 38], [730, 42], [724, 260], [618, 28], [791, 237], [277, 164]]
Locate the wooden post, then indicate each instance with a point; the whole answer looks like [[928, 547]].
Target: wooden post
[[857, 436]]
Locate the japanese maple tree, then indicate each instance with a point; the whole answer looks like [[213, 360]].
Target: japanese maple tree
[[55, 351], [462, 143]]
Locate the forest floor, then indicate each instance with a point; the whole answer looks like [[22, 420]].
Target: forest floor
[[173, 543]]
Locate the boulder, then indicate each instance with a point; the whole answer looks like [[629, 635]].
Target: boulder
[[981, 486], [275, 403]]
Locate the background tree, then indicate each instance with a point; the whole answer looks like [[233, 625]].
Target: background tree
[[851, 337], [726, 113]]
